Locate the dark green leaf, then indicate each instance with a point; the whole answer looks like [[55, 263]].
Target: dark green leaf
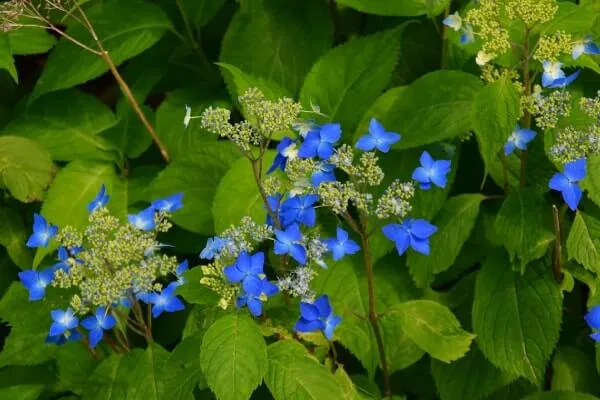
[[574, 371], [404, 8], [13, 236], [583, 243], [6, 59]]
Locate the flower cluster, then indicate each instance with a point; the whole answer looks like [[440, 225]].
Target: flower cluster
[[312, 164], [486, 22], [549, 109], [108, 265]]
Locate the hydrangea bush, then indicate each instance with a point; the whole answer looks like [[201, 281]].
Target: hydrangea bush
[[311, 199]]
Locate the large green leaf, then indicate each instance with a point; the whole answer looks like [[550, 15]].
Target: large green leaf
[[26, 168], [233, 357], [435, 107], [434, 328], [455, 223], [560, 395], [573, 370], [495, 114], [472, 377], [145, 380], [6, 59], [571, 18], [129, 136], [403, 8], [75, 186], [68, 124], [278, 41], [13, 236], [348, 79], [238, 196], [126, 29], [26, 383], [521, 226], [181, 372], [197, 177], [242, 81], [517, 317], [198, 13], [30, 40], [591, 183], [583, 243], [294, 374], [74, 366]]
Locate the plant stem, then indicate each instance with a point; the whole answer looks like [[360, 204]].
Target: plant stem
[[445, 42], [557, 255], [527, 114]]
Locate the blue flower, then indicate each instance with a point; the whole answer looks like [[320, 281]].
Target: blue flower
[[467, 36], [320, 142], [377, 138], [324, 173], [341, 245], [169, 204], [42, 232], [300, 209], [518, 139], [212, 248], [566, 182], [285, 149], [165, 301], [63, 263], [453, 21], [585, 46], [246, 269], [254, 299], [97, 324], [431, 171], [288, 242], [413, 233], [593, 320], [99, 201], [554, 77], [179, 271], [63, 321], [273, 204], [36, 282], [68, 335], [317, 316], [143, 220]]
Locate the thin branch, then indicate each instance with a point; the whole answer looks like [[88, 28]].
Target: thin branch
[[557, 254]]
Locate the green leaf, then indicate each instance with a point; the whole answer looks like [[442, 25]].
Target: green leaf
[[198, 13], [129, 135], [401, 8], [233, 357], [238, 196], [348, 79], [194, 292], [347, 386], [181, 372], [6, 59], [68, 124], [22, 392], [583, 243], [197, 177], [571, 18], [495, 114], [574, 371], [434, 328], [435, 107], [24, 383], [74, 364], [278, 41], [560, 395], [26, 169], [294, 374], [455, 223], [26, 41], [517, 317], [521, 226], [472, 377], [242, 81], [145, 380], [75, 186], [126, 29], [591, 183], [13, 236]]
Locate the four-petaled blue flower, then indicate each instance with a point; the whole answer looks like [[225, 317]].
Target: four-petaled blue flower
[[431, 171], [254, 299], [63, 321], [593, 320], [554, 77], [286, 149], [566, 182], [317, 316], [324, 173], [98, 323], [341, 245], [247, 269], [288, 242], [377, 138], [165, 301], [212, 248], [169, 204], [585, 46], [179, 271], [518, 139], [143, 220], [300, 209], [69, 335], [99, 201], [42, 232], [320, 142], [413, 233], [273, 203], [36, 282]]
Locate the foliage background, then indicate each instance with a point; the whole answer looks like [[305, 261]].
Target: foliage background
[[65, 129]]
